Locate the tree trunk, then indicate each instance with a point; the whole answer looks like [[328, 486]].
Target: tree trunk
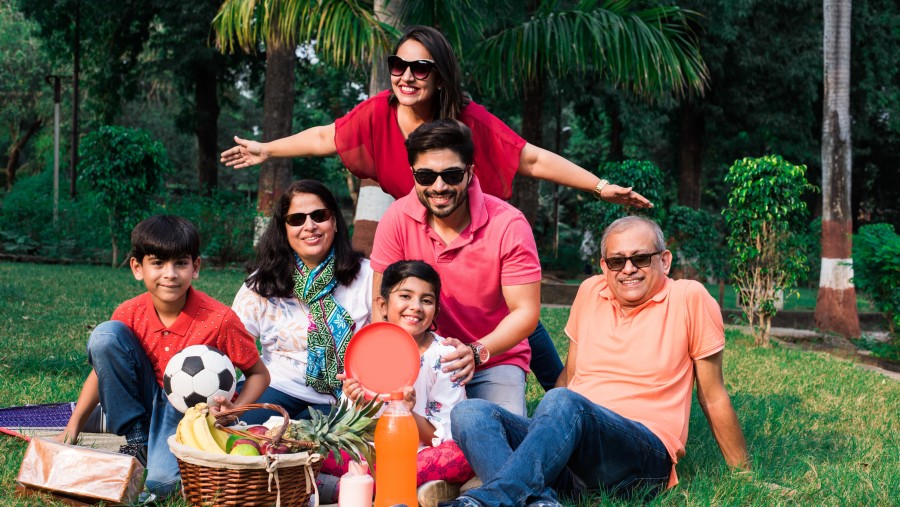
[[372, 202], [275, 174], [525, 190], [836, 301], [690, 147], [16, 150], [206, 123]]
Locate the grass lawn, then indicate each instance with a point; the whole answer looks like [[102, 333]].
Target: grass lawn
[[816, 424]]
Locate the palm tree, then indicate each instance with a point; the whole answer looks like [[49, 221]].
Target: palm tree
[[649, 51], [836, 301], [345, 33]]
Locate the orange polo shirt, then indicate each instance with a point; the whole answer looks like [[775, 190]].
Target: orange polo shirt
[[640, 365]]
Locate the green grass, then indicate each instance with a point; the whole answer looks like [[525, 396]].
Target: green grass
[[815, 424]]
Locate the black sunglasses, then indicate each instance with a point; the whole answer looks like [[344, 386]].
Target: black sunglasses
[[452, 176], [637, 260], [420, 68], [318, 216]]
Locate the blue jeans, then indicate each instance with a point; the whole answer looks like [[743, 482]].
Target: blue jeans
[[296, 408], [570, 445], [503, 385], [545, 362], [134, 401]]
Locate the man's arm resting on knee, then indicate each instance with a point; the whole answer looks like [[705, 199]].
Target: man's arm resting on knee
[[716, 405], [568, 372], [87, 402]]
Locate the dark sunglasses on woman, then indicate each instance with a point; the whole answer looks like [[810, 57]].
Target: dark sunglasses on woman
[[318, 216], [420, 68]]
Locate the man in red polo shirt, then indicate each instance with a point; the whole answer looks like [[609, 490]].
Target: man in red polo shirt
[[485, 253]]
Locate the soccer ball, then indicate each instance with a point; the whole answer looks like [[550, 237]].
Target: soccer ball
[[197, 374]]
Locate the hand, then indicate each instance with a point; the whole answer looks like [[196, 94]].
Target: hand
[[247, 153], [351, 387], [624, 196], [409, 397], [66, 437], [221, 403], [461, 361]]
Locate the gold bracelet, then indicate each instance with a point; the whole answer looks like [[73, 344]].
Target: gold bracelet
[[602, 183]]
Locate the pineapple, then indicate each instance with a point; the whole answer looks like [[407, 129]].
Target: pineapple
[[349, 427]]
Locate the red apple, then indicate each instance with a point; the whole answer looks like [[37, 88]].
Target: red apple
[[268, 448], [258, 430], [248, 441]]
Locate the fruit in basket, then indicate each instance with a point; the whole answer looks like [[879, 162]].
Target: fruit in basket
[[259, 429], [196, 375], [349, 426], [230, 443], [268, 448], [246, 441], [219, 436], [245, 450], [194, 430]]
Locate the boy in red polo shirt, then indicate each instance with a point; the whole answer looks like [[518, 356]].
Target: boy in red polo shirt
[[129, 353]]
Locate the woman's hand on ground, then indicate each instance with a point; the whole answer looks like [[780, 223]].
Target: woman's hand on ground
[[247, 153], [461, 361], [624, 196]]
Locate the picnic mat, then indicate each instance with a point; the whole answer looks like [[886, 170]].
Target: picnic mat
[[48, 420]]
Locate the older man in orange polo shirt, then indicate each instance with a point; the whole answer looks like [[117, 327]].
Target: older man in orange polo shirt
[[638, 339]]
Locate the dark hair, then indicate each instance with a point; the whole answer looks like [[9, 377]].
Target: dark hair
[[440, 135], [401, 270], [450, 96], [272, 273], [165, 237]]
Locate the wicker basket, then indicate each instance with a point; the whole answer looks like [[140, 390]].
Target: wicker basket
[[283, 480]]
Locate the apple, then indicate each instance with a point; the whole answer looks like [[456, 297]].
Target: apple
[[244, 450], [268, 448], [229, 445], [258, 430], [245, 441]]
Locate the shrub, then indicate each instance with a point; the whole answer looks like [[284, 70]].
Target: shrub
[[643, 176], [876, 270], [125, 167], [696, 243], [764, 213]]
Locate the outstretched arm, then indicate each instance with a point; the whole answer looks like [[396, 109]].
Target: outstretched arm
[[716, 405], [545, 165], [312, 142]]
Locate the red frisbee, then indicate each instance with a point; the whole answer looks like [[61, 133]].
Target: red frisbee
[[383, 357]]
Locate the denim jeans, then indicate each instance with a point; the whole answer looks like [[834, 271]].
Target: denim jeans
[[503, 385], [133, 400], [296, 408], [545, 362], [570, 445]]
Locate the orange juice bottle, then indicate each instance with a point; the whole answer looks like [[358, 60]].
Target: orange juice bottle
[[396, 443]]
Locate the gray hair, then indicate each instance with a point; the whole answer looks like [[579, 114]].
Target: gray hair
[[628, 222]]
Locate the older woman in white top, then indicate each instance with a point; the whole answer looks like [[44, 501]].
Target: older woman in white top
[[306, 296]]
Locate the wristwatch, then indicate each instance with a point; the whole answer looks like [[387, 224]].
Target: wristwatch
[[482, 354], [599, 187]]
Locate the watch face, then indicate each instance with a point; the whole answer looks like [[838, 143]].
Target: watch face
[[483, 354]]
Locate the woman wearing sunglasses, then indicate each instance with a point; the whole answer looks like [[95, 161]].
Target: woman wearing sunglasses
[[425, 86], [307, 294]]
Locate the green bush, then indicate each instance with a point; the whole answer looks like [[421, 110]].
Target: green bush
[[125, 166], [225, 221], [696, 242], [876, 270], [764, 215]]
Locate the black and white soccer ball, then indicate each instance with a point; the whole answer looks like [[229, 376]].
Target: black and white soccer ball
[[196, 375]]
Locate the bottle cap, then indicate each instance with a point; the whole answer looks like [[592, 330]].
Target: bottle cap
[[396, 395]]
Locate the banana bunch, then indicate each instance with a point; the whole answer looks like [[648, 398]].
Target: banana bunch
[[198, 430]]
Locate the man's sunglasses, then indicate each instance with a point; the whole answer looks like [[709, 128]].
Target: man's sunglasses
[[452, 176], [420, 68], [318, 216], [637, 260]]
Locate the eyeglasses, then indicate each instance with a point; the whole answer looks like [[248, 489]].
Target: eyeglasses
[[420, 68], [637, 260], [452, 176], [318, 216]]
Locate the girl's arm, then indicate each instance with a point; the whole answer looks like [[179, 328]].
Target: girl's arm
[[312, 142]]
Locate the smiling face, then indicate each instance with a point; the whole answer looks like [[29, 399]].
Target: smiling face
[[412, 92], [442, 200], [310, 240], [633, 286], [411, 304], [167, 281]]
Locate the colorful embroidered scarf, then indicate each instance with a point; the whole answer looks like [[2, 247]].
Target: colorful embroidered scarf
[[330, 326]]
